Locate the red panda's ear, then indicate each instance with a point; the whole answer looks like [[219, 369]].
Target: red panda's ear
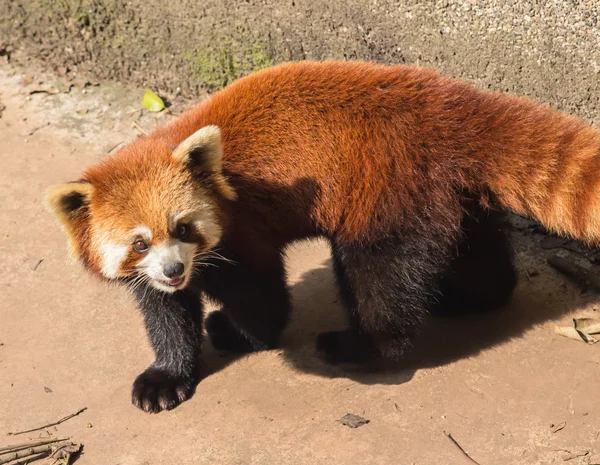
[[70, 204], [69, 201], [202, 151]]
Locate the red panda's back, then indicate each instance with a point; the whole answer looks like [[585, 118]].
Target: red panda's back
[[381, 144], [347, 127]]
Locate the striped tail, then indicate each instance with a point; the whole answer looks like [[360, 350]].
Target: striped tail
[[542, 164]]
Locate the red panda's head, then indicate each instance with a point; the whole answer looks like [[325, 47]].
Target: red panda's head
[[147, 213]]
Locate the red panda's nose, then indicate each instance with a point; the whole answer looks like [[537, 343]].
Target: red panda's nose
[[173, 270]]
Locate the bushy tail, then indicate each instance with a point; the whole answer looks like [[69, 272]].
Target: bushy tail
[[542, 164]]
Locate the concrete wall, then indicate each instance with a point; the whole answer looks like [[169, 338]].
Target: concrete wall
[[549, 50]]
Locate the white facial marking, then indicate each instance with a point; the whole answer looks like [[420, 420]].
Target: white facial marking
[[112, 255], [204, 221], [142, 231], [163, 254], [210, 229]]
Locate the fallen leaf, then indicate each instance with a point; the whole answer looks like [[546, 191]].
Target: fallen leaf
[[152, 102], [574, 334], [353, 421], [89, 425], [582, 330], [588, 325]]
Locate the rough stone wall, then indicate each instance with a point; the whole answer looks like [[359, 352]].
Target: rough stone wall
[[548, 50]]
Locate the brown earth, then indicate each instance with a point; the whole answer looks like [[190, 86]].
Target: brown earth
[[502, 384]]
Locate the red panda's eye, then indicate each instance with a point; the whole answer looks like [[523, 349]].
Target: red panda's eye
[[183, 231], [140, 246]]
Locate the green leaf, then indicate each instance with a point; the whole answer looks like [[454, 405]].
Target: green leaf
[[152, 102]]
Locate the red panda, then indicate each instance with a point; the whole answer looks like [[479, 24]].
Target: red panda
[[403, 170]]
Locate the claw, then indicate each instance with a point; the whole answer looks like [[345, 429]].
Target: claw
[[156, 390]]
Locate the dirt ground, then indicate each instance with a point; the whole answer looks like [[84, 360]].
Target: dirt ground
[[503, 384]]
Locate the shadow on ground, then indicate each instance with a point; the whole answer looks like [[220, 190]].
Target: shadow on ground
[[442, 340]]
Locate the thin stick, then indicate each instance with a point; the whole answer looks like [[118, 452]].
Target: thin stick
[[114, 147], [26, 453], [24, 445], [521, 262], [31, 458], [465, 453], [68, 417], [139, 127]]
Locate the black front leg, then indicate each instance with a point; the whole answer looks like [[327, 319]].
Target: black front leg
[[256, 304], [174, 326]]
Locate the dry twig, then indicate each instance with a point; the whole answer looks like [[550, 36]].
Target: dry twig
[[25, 445], [465, 453], [114, 147], [62, 454], [135, 123], [31, 458], [46, 450], [62, 420]]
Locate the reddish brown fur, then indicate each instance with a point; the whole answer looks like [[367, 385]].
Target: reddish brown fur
[[141, 186], [373, 148], [389, 163], [130, 188]]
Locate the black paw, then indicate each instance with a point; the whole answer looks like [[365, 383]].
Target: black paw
[[224, 336], [156, 390], [337, 347]]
